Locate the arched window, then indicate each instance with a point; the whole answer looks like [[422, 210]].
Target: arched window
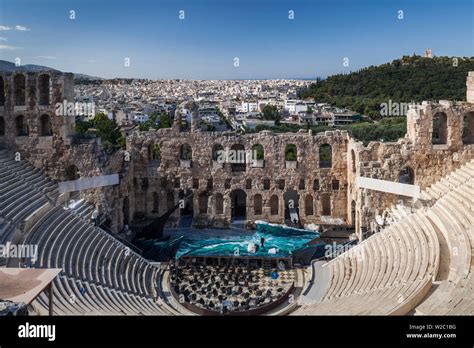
[[291, 152], [248, 184], [440, 129], [203, 203], [353, 157], [218, 153], [21, 126], [219, 204], [316, 184], [186, 153], [266, 184], [71, 173], [302, 184], [274, 205], [308, 205], [468, 128], [326, 202], [154, 152], [407, 176], [257, 204], [44, 89], [19, 87], [281, 184], [238, 158], [258, 153], [2, 92], [2, 126], [45, 129], [325, 156]]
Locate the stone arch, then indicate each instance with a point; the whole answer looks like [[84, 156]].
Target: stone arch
[[308, 205], [203, 202], [186, 152], [353, 159], [258, 152], [325, 156], [44, 84], [238, 200], [219, 201], [126, 211], [407, 176], [45, 127], [257, 204], [21, 126], [2, 91], [71, 173], [468, 128], [154, 152], [439, 134], [2, 126], [19, 89], [218, 153], [238, 158], [326, 204], [156, 203], [170, 200], [292, 200], [188, 203], [291, 152], [274, 205]]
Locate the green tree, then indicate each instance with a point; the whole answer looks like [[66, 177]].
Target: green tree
[[107, 129], [411, 78], [270, 113]]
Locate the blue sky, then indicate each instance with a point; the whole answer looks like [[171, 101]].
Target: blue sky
[[214, 32]]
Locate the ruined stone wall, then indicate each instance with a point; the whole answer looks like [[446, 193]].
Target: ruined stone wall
[[440, 138], [45, 150], [429, 162], [54, 149], [171, 176]]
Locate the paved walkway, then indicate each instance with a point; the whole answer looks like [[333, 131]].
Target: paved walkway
[[318, 283]]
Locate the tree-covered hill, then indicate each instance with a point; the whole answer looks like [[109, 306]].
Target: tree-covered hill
[[409, 79]]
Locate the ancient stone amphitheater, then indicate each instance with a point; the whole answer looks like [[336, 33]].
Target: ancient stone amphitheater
[[418, 261]]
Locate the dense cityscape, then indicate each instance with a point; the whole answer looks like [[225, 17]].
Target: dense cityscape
[[222, 104]]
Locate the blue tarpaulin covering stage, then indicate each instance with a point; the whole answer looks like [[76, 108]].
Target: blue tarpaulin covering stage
[[280, 242]]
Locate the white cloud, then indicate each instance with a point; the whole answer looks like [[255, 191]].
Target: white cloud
[[21, 28], [91, 61], [6, 47], [4, 28], [45, 57], [3, 39]]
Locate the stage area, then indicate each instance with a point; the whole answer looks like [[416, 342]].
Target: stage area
[[278, 242]]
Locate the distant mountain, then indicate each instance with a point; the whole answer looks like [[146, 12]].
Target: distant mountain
[[6, 66], [86, 77], [9, 67]]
